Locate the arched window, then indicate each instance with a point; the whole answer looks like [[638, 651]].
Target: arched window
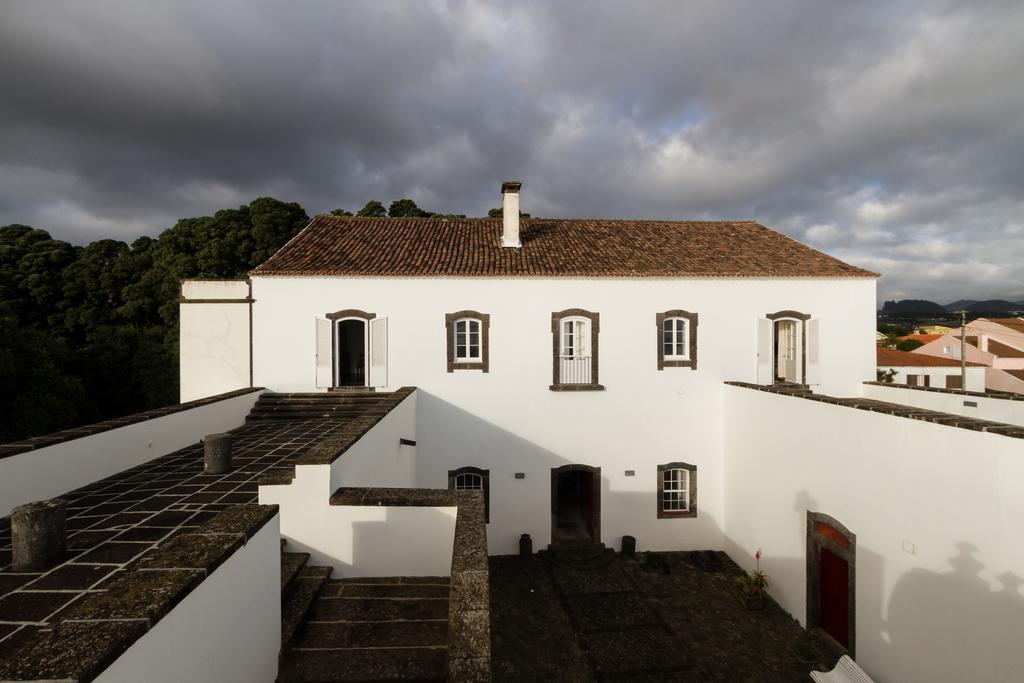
[[468, 337], [677, 339], [574, 336], [472, 478], [467, 341], [677, 490]]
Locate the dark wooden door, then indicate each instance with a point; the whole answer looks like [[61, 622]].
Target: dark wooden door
[[835, 596]]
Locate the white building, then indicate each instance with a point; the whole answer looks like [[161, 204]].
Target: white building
[[919, 370], [554, 355], [600, 379]]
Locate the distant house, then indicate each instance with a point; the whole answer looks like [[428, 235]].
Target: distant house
[[995, 342], [917, 370], [932, 329], [880, 338]]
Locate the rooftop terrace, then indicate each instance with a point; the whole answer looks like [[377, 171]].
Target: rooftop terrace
[[114, 522]]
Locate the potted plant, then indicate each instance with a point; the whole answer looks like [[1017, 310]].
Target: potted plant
[[752, 586]]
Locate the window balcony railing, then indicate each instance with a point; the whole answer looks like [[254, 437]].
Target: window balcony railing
[[574, 370]]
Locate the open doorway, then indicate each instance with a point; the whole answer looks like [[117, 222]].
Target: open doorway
[[350, 338], [575, 503], [831, 578], [786, 345]]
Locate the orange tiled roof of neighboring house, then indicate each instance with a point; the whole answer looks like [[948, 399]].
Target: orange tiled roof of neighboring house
[[895, 358], [923, 338], [471, 247]]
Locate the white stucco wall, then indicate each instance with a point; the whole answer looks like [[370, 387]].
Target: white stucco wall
[[1000, 380], [938, 516], [984, 408], [937, 375], [508, 421], [228, 629], [53, 470], [367, 540], [361, 540], [214, 349]]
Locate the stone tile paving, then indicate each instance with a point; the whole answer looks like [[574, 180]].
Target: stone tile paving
[[629, 620], [113, 521]]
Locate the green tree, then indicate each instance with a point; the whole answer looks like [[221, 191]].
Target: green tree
[[406, 208], [89, 333], [909, 345], [341, 212], [373, 209], [38, 390]]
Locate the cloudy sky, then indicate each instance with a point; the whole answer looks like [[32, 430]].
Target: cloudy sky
[[890, 134]]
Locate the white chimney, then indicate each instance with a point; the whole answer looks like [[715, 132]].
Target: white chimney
[[510, 214]]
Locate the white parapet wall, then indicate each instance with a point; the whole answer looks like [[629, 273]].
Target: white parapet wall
[[361, 540], [48, 472], [227, 630], [215, 353], [993, 408], [938, 517]]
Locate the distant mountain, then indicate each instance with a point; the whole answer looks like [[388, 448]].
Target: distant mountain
[[913, 306], [989, 305], [960, 304]]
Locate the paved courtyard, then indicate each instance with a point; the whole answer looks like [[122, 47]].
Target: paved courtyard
[[657, 617]]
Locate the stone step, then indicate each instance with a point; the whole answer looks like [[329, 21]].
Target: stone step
[[334, 402], [346, 635], [301, 597], [380, 664], [578, 554], [336, 412], [379, 609], [291, 565], [387, 590]]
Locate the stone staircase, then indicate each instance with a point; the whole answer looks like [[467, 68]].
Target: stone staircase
[[273, 406], [300, 586], [583, 554], [373, 629]]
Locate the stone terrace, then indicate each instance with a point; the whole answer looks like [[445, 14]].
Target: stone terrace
[[114, 521], [656, 617]]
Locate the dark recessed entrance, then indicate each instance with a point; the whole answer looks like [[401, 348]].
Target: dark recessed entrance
[[831, 578], [575, 503], [350, 336]]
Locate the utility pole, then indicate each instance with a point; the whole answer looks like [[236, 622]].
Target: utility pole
[[963, 350]]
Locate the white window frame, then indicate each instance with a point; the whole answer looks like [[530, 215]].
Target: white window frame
[[467, 346], [677, 336], [680, 486], [578, 338]]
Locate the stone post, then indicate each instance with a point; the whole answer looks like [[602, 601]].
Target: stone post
[[525, 547], [628, 546], [217, 453], [38, 534]]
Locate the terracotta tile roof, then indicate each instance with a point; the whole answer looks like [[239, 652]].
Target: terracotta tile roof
[[895, 358], [923, 338], [471, 247], [1015, 324], [997, 349]]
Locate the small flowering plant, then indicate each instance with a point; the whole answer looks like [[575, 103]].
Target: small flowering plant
[[754, 583]]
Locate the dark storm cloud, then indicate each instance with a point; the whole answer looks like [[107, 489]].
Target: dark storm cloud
[[888, 133]]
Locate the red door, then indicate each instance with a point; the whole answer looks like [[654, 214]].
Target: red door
[[835, 596]]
